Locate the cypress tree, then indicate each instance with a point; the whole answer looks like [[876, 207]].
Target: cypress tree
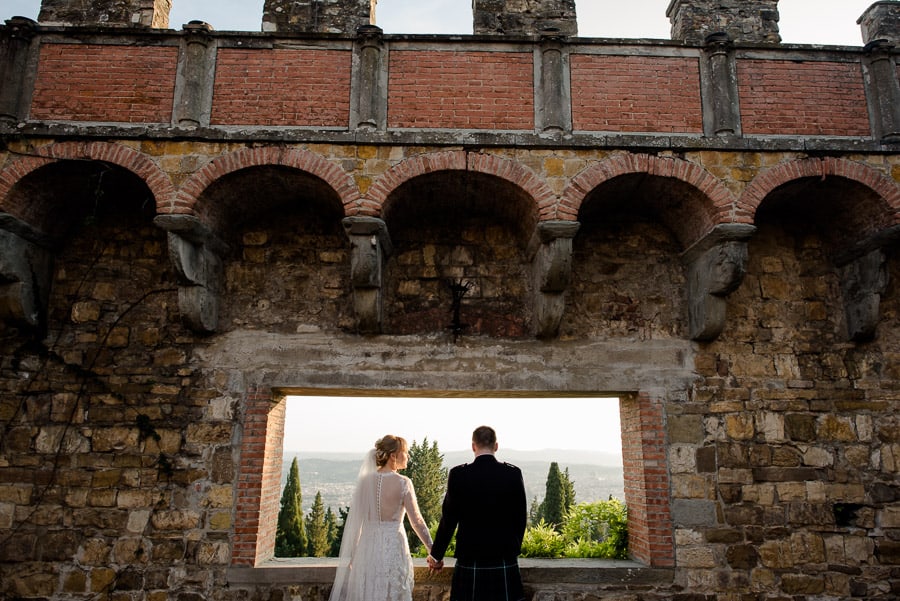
[[290, 536], [339, 532], [331, 530], [429, 477], [316, 530], [568, 492], [534, 512], [553, 508]]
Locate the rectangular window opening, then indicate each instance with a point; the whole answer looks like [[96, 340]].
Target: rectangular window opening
[[568, 448], [610, 446]]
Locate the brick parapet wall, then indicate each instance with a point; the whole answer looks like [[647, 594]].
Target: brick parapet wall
[[461, 90], [282, 87], [619, 90], [802, 98], [636, 94], [104, 83]]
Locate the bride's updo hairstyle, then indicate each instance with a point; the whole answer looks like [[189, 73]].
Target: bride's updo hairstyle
[[386, 445]]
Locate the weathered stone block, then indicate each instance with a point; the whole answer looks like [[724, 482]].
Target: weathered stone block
[[176, 519], [742, 557], [118, 13], [104, 440], [800, 427], [131, 551], [802, 584], [685, 429], [694, 513]]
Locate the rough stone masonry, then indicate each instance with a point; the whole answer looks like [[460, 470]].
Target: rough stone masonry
[[195, 224]]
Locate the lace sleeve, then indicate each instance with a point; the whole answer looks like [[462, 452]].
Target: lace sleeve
[[415, 516]]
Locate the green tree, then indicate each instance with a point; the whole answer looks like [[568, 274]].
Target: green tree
[[553, 509], [339, 532], [290, 535], [568, 492], [429, 477], [534, 512], [331, 530], [317, 530]]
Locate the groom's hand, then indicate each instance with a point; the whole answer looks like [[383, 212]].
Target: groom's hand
[[434, 565]]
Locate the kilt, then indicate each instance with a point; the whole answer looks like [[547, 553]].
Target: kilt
[[486, 581]]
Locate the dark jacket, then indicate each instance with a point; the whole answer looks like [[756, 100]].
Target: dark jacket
[[486, 501]]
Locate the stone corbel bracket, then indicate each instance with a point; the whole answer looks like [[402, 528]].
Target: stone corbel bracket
[[196, 253], [864, 278], [370, 245], [550, 251], [26, 264], [716, 266]]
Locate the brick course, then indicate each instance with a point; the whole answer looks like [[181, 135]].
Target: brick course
[[92, 82], [461, 90], [802, 98], [635, 93], [307, 88]]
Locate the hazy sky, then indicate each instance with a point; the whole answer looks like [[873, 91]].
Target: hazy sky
[[354, 423], [802, 21]]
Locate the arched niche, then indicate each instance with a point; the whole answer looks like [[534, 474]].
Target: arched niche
[[459, 228], [834, 237], [286, 257], [628, 276], [79, 225]]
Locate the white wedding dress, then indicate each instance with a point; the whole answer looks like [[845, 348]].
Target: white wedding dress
[[375, 564]]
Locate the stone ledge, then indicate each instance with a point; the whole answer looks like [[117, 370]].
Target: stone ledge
[[313, 570], [424, 137]]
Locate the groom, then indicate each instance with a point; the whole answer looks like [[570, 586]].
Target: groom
[[485, 500]]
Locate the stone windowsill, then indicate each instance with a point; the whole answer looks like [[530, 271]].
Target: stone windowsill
[[313, 570]]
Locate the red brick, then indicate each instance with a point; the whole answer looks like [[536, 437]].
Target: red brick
[[802, 98], [636, 94], [461, 90], [105, 83], [282, 88]]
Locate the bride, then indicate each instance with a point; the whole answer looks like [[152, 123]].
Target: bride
[[375, 564]]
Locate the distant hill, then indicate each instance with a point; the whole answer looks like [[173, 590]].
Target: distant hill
[[596, 475]]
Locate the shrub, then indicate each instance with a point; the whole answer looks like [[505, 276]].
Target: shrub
[[597, 530], [542, 541]]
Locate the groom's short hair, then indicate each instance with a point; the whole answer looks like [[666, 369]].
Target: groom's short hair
[[484, 437]]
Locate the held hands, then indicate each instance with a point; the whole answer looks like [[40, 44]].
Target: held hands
[[434, 565]]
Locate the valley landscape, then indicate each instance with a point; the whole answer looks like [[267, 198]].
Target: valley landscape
[[596, 475]]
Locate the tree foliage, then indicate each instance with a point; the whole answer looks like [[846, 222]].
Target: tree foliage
[[290, 535], [559, 496], [598, 530], [339, 532], [318, 544], [429, 477]]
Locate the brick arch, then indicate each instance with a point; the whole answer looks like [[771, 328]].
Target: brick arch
[[458, 160], [718, 208], [187, 199], [766, 182], [116, 154]]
